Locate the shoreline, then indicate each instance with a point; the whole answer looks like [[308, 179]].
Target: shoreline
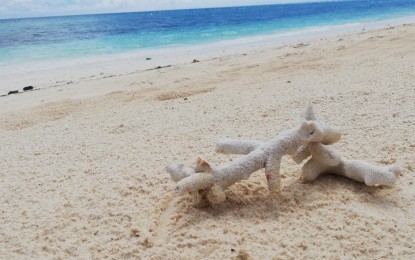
[[37, 74]]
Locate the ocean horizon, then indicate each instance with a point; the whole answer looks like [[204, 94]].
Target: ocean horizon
[[72, 37]]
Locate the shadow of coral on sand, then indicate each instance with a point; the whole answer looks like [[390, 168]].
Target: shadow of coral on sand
[[250, 199]]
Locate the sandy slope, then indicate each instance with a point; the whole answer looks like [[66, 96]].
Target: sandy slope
[[83, 176]]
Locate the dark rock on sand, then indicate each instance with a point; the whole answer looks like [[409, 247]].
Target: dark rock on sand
[[13, 92], [28, 88], [160, 67]]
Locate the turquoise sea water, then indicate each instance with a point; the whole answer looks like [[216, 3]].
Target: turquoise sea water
[[51, 38]]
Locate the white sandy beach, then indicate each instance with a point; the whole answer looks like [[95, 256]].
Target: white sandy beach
[[83, 163]]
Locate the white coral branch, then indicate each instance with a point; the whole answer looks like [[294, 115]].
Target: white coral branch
[[326, 159], [213, 180], [235, 146]]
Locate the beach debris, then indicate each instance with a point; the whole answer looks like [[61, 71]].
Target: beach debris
[[325, 159], [300, 45], [194, 61], [28, 88], [13, 92], [148, 58], [160, 67], [207, 183]]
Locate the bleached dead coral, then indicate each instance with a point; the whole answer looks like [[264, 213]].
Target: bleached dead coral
[[330, 137], [325, 159], [207, 183], [199, 181]]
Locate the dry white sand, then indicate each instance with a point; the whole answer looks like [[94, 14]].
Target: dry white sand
[[83, 175]]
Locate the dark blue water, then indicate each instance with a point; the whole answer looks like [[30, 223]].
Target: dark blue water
[[79, 36]]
